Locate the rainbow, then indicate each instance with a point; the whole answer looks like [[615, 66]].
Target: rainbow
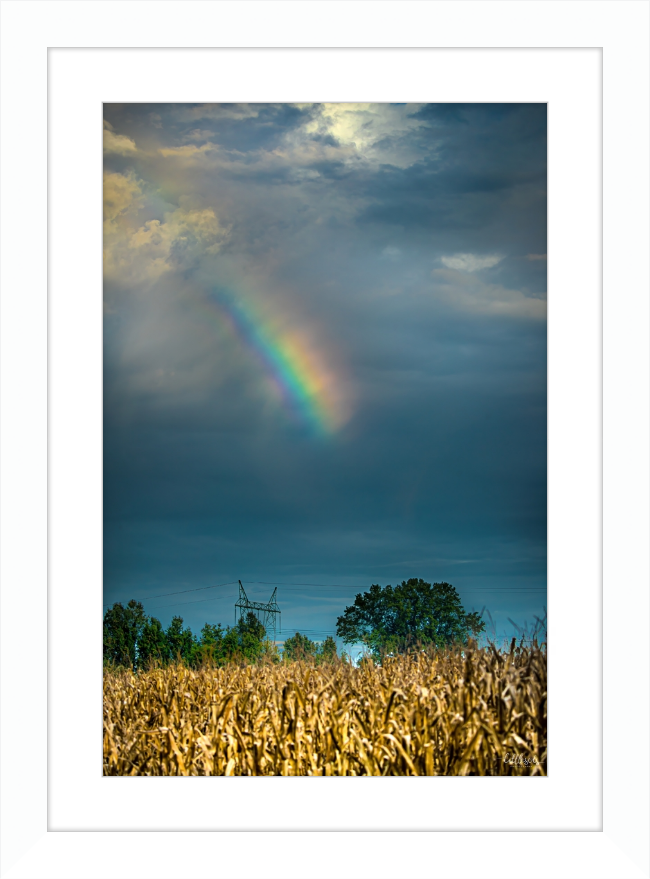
[[290, 360]]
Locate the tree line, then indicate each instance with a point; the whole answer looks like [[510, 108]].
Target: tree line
[[384, 620], [135, 640]]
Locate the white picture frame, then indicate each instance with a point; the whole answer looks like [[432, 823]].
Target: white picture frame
[[58, 66]]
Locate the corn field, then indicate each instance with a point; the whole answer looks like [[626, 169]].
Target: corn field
[[481, 712]]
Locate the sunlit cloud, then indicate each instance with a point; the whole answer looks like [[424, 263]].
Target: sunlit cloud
[[377, 133], [117, 143], [470, 262]]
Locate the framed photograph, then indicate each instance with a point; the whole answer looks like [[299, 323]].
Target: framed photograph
[[325, 374], [55, 384]]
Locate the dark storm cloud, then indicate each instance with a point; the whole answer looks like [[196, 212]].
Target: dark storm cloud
[[409, 243]]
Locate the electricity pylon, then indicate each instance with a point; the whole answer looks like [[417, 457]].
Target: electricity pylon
[[265, 613]]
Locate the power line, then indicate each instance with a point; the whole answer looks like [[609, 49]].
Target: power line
[[180, 592], [532, 591], [307, 628], [352, 586], [487, 589], [318, 585], [473, 591], [181, 603]]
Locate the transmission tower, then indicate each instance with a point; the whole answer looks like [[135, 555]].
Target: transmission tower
[[267, 613]]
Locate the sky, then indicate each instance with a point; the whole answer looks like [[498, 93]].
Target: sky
[[324, 356]]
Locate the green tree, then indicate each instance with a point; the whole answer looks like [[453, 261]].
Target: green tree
[[180, 641], [394, 619], [299, 647], [209, 646], [153, 645], [230, 648], [251, 635], [327, 651], [122, 630], [475, 625], [246, 641], [211, 635]]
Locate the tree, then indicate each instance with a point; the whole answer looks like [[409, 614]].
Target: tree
[[211, 635], [247, 640], [180, 641], [250, 636], [393, 619], [327, 652], [208, 647], [122, 631], [299, 647], [475, 625], [153, 645]]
